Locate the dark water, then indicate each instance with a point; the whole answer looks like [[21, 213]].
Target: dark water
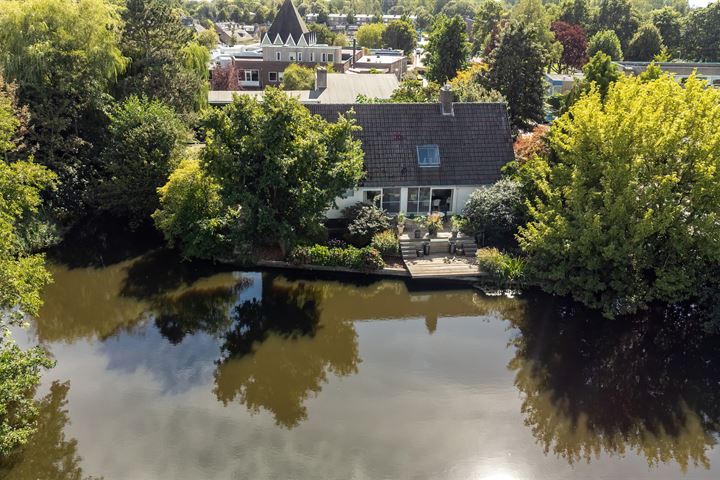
[[167, 370]]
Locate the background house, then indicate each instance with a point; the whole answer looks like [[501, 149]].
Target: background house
[[426, 157], [680, 70]]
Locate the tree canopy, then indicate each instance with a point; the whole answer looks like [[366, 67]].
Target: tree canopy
[[370, 35], [297, 77], [607, 42], [447, 49], [574, 43], [645, 44], [401, 35], [631, 199]]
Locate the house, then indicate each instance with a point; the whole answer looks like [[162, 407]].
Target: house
[[329, 88], [288, 41], [382, 60], [340, 20], [425, 157], [680, 70], [561, 83], [230, 33]]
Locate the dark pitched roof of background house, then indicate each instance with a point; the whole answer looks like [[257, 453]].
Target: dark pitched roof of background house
[[287, 22], [474, 143]]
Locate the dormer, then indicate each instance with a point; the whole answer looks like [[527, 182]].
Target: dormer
[[278, 40]]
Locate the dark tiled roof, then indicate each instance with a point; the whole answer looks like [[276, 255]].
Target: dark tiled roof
[[287, 22], [474, 143]]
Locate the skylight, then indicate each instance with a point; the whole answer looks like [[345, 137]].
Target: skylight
[[428, 155]]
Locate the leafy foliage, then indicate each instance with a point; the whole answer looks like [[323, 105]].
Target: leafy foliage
[[401, 35], [370, 35], [701, 40], [504, 268], [489, 14], [366, 219], [619, 16], [297, 77], [145, 141], [574, 42], [386, 243], [669, 23], [517, 65], [470, 86], [447, 49], [601, 72], [282, 164], [492, 211], [632, 197], [366, 259], [646, 44], [192, 214], [607, 42]]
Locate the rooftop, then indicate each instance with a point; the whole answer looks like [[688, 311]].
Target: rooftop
[[678, 68], [287, 22]]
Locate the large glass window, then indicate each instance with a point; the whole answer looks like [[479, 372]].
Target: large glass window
[[428, 155], [391, 200], [418, 200], [252, 75], [373, 196]]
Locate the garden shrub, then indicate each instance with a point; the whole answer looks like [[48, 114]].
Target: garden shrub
[[365, 259], [366, 220], [493, 211], [386, 243], [500, 266]]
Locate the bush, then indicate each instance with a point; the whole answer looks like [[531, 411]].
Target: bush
[[386, 243], [502, 267], [366, 220], [493, 211], [365, 259]]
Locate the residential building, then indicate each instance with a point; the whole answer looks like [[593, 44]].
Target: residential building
[[680, 70], [561, 83], [382, 61], [230, 33], [333, 88], [425, 157], [340, 19]]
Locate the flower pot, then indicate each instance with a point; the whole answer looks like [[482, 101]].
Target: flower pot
[[426, 248], [418, 234]]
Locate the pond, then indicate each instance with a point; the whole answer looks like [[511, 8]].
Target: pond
[[172, 370]]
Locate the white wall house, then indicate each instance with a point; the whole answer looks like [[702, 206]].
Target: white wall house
[[424, 157]]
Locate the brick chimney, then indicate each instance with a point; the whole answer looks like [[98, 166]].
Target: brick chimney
[[320, 78], [446, 100]]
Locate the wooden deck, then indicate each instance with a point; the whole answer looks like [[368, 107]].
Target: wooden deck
[[440, 262]]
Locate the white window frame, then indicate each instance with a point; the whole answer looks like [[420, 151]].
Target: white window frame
[[436, 148], [330, 58], [270, 77]]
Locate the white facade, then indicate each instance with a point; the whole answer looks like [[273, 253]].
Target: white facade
[[459, 197]]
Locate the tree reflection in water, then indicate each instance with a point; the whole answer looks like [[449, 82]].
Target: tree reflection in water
[[49, 455], [649, 384]]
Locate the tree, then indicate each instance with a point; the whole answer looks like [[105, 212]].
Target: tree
[[22, 276], [631, 204], [619, 16], [447, 49], [645, 44], [284, 166], [607, 42], [464, 8], [574, 43], [469, 86], [533, 15], [668, 22], [192, 215], [63, 72], [323, 34], [423, 19], [208, 38], [413, 90], [165, 62], [492, 211], [489, 14], [701, 40], [517, 65], [370, 35], [145, 141], [401, 35], [601, 72], [297, 77], [575, 12]]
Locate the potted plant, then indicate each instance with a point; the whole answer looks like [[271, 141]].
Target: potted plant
[[456, 224], [400, 219], [434, 224], [419, 222]]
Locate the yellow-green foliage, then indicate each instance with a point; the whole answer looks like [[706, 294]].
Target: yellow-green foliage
[[630, 208], [385, 242], [502, 267], [297, 77]]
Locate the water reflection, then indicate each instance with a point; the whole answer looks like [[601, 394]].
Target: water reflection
[[649, 385], [49, 455]]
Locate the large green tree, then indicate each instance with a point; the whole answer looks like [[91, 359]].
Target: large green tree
[[145, 141], [165, 62], [489, 14], [22, 276], [370, 35], [448, 48], [630, 214], [701, 40], [575, 12], [282, 166], [64, 56], [607, 42], [401, 35], [645, 44], [619, 16], [669, 22], [517, 65]]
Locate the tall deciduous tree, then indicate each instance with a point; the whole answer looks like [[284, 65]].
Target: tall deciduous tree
[[164, 60], [22, 276], [619, 16], [284, 166], [489, 14], [448, 48], [517, 65], [575, 12], [669, 22], [145, 141], [631, 210], [370, 35], [607, 42], [645, 44], [574, 42], [601, 72], [64, 57], [701, 40], [401, 35]]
